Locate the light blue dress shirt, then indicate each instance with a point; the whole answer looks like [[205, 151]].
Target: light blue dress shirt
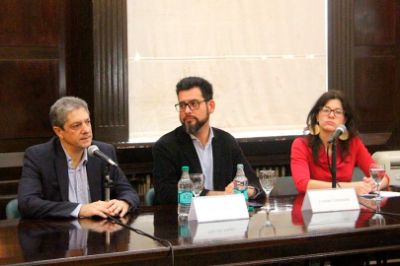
[[205, 154], [78, 187]]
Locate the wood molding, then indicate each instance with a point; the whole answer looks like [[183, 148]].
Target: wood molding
[[110, 70], [340, 47]]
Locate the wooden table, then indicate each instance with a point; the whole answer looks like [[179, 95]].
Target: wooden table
[[287, 237]]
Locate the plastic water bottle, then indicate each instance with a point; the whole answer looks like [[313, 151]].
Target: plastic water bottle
[[240, 182], [185, 186]]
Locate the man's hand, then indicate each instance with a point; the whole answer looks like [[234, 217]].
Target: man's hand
[[229, 188], [252, 191], [102, 208], [98, 208], [118, 207]]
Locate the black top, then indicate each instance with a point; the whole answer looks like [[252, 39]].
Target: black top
[[175, 149]]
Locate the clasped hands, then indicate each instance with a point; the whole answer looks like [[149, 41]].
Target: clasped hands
[[103, 209], [229, 189], [367, 185]]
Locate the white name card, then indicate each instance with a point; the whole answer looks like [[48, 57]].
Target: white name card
[[328, 200], [218, 208]]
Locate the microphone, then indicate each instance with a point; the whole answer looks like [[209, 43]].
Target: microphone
[[96, 152], [340, 129]]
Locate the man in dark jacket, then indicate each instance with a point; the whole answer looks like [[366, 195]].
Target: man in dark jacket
[[205, 149], [59, 179]]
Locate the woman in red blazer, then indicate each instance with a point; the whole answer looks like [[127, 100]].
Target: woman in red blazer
[[309, 159]]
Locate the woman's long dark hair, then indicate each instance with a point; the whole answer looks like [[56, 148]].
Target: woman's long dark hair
[[314, 140]]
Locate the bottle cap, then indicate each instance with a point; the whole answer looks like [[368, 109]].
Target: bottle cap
[[239, 165], [185, 168]]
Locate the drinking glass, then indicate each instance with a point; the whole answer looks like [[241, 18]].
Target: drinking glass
[[377, 172], [267, 180], [198, 183]]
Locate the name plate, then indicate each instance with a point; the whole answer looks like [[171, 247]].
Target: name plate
[[218, 208], [328, 200]]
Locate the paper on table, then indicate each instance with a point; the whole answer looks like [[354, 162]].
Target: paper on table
[[384, 194], [389, 194]]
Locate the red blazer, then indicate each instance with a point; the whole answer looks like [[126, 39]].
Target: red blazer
[[303, 167]]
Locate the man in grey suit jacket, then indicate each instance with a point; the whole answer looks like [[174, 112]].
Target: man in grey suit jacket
[[59, 179], [211, 151]]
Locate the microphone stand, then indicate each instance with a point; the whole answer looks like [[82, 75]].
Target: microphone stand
[[108, 184], [334, 164]]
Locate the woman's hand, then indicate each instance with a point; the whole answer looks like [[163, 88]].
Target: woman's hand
[[365, 186]]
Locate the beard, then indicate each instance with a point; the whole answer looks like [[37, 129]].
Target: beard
[[193, 127]]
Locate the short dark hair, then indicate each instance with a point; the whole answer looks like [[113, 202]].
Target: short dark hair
[[191, 82], [60, 109], [349, 115]]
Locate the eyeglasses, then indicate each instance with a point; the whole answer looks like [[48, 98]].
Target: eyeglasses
[[327, 111], [193, 105]]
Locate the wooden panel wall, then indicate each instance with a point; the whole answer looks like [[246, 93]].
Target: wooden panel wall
[[364, 62], [32, 77], [79, 51], [32, 60], [376, 60]]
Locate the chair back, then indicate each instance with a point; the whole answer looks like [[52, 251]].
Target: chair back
[[284, 186], [149, 197], [12, 211], [357, 174]]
